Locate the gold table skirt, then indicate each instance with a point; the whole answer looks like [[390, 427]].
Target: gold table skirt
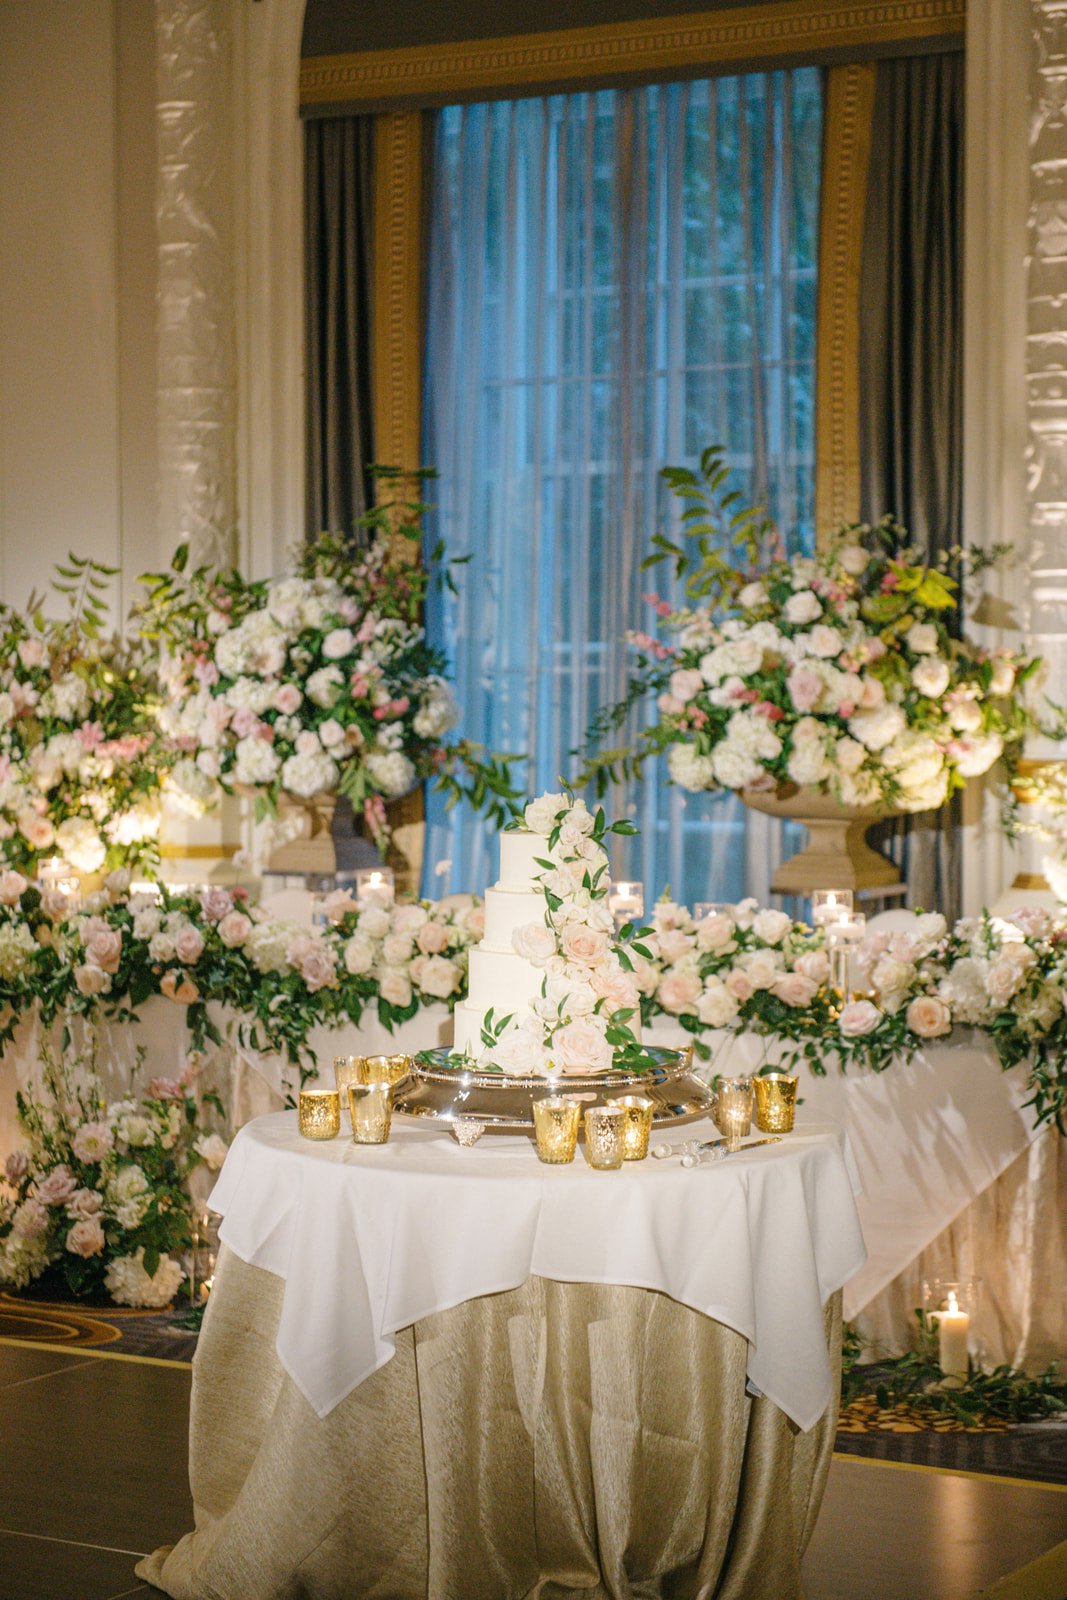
[[557, 1440]]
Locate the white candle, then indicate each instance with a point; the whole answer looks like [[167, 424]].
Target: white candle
[[374, 885], [952, 1327], [626, 901], [830, 905]]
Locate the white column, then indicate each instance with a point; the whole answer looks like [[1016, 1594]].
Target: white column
[[197, 326]]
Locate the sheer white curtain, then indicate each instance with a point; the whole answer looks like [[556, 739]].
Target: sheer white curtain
[[616, 280]]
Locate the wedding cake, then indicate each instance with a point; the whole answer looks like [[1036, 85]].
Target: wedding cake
[[547, 984]]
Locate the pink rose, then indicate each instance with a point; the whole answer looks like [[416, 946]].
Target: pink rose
[[92, 1142], [858, 1018], [928, 1017], [189, 944], [793, 989], [36, 830], [86, 1238], [432, 938], [84, 1203], [805, 688], [57, 1188], [11, 886], [686, 683], [31, 652], [287, 699], [244, 722], [234, 929], [740, 984], [475, 921], [103, 945], [30, 1220], [176, 986], [616, 987], [813, 964], [580, 1047], [586, 947], [317, 968], [679, 992], [215, 903], [91, 981], [338, 904], [16, 1167]]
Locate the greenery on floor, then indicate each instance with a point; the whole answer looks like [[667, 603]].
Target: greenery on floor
[[911, 1392]]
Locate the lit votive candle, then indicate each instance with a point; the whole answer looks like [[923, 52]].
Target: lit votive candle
[[952, 1331], [319, 1113], [386, 1069], [626, 901], [371, 1108], [605, 1128], [843, 938], [776, 1102], [829, 905], [375, 886], [733, 1107], [637, 1127], [556, 1122]]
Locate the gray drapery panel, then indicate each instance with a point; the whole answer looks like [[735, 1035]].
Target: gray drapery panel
[[911, 360], [339, 155]]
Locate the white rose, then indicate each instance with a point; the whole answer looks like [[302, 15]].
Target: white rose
[[359, 955], [535, 942], [975, 756], [394, 987], [922, 638], [859, 1018], [877, 729], [804, 606], [716, 1007], [340, 642], [751, 596], [542, 814], [439, 977], [771, 926], [761, 967], [580, 1047], [854, 559], [931, 677], [519, 1052], [824, 642], [1002, 677], [331, 733]]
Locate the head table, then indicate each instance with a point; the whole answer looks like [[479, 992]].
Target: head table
[[429, 1371]]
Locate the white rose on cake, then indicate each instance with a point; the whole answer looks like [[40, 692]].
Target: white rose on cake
[[534, 942], [541, 814], [580, 1047]]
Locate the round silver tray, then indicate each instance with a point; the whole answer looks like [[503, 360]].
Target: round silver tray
[[442, 1089]]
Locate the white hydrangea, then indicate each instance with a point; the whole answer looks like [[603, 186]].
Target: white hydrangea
[[268, 943], [67, 699], [438, 712], [17, 949], [314, 773], [324, 686], [689, 769], [129, 1284], [255, 762], [78, 842], [391, 772]]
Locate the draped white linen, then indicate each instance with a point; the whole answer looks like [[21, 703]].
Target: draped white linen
[[616, 280]]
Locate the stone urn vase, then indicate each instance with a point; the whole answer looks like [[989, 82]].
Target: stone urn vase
[[836, 855], [306, 827]]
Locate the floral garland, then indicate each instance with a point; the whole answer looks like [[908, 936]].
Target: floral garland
[[843, 672], [99, 1193], [82, 760], [756, 971], [318, 682], [580, 1023], [282, 977]]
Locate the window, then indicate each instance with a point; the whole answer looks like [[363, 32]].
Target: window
[[616, 279]]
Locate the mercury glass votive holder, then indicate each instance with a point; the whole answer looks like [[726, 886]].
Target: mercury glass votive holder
[[605, 1136], [386, 1069], [556, 1123], [319, 1113], [733, 1107], [776, 1102], [371, 1108], [637, 1127]]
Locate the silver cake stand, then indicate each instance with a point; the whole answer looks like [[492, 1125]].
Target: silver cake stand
[[440, 1088]]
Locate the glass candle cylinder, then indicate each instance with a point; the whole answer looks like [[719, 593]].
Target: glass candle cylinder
[[733, 1107], [713, 908], [637, 1126], [843, 939], [375, 886], [347, 1070], [386, 1069], [830, 905], [950, 1305], [626, 901], [319, 1113], [371, 1107], [556, 1122], [604, 1136], [776, 1102]]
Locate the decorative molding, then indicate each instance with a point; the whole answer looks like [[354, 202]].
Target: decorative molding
[[708, 40], [197, 362], [397, 310], [846, 152]]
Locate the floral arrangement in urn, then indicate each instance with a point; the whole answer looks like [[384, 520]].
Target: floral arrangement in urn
[[844, 673], [99, 1194], [317, 683], [82, 760]]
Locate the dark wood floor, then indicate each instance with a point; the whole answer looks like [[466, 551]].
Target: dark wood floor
[[93, 1475]]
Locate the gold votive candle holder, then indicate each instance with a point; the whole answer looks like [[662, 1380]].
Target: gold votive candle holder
[[637, 1126], [319, 1113], [386, 1069], [605, 1131], [370, 1106], [776, 1102], [556, 1123], [348, 1070], [733, 1107]]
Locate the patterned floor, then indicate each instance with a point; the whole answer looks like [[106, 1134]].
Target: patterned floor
[[115, 1330]]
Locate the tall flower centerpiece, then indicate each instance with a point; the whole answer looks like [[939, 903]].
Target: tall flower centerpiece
[[835, 688], [318, 683], [82, 760]]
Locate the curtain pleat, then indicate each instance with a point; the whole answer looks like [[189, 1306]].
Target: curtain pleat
[[616, 280], [911, 365], [338, 214]]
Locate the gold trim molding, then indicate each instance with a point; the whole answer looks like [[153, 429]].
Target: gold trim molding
[[396, 332], [846, 153], [430, 74]]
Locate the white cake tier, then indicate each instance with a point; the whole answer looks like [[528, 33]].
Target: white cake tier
[[502, 981], [467, 1022], [508, 909], [519, 853]]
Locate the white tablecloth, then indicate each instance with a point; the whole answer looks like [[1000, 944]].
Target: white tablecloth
[[372, 1239]]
